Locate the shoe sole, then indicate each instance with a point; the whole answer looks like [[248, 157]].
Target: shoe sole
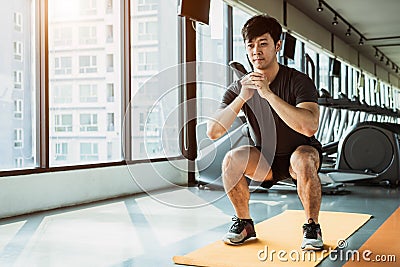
[[311, 247], [228, 242]]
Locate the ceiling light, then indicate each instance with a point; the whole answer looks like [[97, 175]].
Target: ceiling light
[[361, 42], [382, 58], [387, 62], [335, 21], [348, 33], [320, 8], [397, 70]]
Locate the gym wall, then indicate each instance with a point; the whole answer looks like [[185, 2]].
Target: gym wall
[[301, 24], [344, 51], [381, 73], [309, 29], [394, 80], [367, 64], [273, 8]]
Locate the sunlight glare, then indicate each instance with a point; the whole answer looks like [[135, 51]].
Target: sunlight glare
[[65, 9]]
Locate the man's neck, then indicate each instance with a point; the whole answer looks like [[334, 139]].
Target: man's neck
[[270, 72]]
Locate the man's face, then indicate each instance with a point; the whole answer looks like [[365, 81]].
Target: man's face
[[262, 51]]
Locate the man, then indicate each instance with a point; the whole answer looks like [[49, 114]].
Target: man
[[292, 98]]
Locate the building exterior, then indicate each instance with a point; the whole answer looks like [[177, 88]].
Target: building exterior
[[17, 97]]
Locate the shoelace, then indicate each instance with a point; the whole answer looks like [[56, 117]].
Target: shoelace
[[310, 229], [238, 225]]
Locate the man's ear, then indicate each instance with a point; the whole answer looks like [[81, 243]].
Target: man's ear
[[278, 46]]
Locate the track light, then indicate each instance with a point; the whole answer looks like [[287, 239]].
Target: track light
[[397, 70], [335, 21], [382, 58], [361, 42], [393, 67], [320, 8], [348, 32], [387, 62], [376, 54]]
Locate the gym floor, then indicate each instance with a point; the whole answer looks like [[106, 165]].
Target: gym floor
[[149, 229]]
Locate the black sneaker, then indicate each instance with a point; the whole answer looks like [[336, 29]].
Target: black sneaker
[[312, 236], [240, 231]]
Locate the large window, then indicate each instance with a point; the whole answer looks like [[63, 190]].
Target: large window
[[212, 78], [154, 79], [239, 18], [80, 82], [18, 85]]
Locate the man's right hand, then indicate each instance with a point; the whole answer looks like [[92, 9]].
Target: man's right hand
[[248, 88]]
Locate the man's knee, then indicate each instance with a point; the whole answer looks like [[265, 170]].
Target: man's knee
[[304, 158], [236, 158]]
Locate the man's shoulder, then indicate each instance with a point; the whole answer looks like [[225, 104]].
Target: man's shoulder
[[293, 72]]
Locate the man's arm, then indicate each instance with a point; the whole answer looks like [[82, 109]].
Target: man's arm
[[223, 119], [303, 118]]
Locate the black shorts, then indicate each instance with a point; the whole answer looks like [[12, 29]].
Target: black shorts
[[280, 168]]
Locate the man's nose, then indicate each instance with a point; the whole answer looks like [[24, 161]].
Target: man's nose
[[256, 50]]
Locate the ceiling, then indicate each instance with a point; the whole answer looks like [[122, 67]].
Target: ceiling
[[378, 21]]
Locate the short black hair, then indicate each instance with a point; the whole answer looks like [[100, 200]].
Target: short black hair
[[259, 25]]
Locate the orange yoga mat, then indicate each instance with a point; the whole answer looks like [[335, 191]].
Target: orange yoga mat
[[384, 245], [278, 242]]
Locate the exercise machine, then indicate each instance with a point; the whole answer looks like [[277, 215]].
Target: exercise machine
[[368, 152]]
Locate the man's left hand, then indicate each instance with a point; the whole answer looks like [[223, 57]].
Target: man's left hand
[[262, 84]]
